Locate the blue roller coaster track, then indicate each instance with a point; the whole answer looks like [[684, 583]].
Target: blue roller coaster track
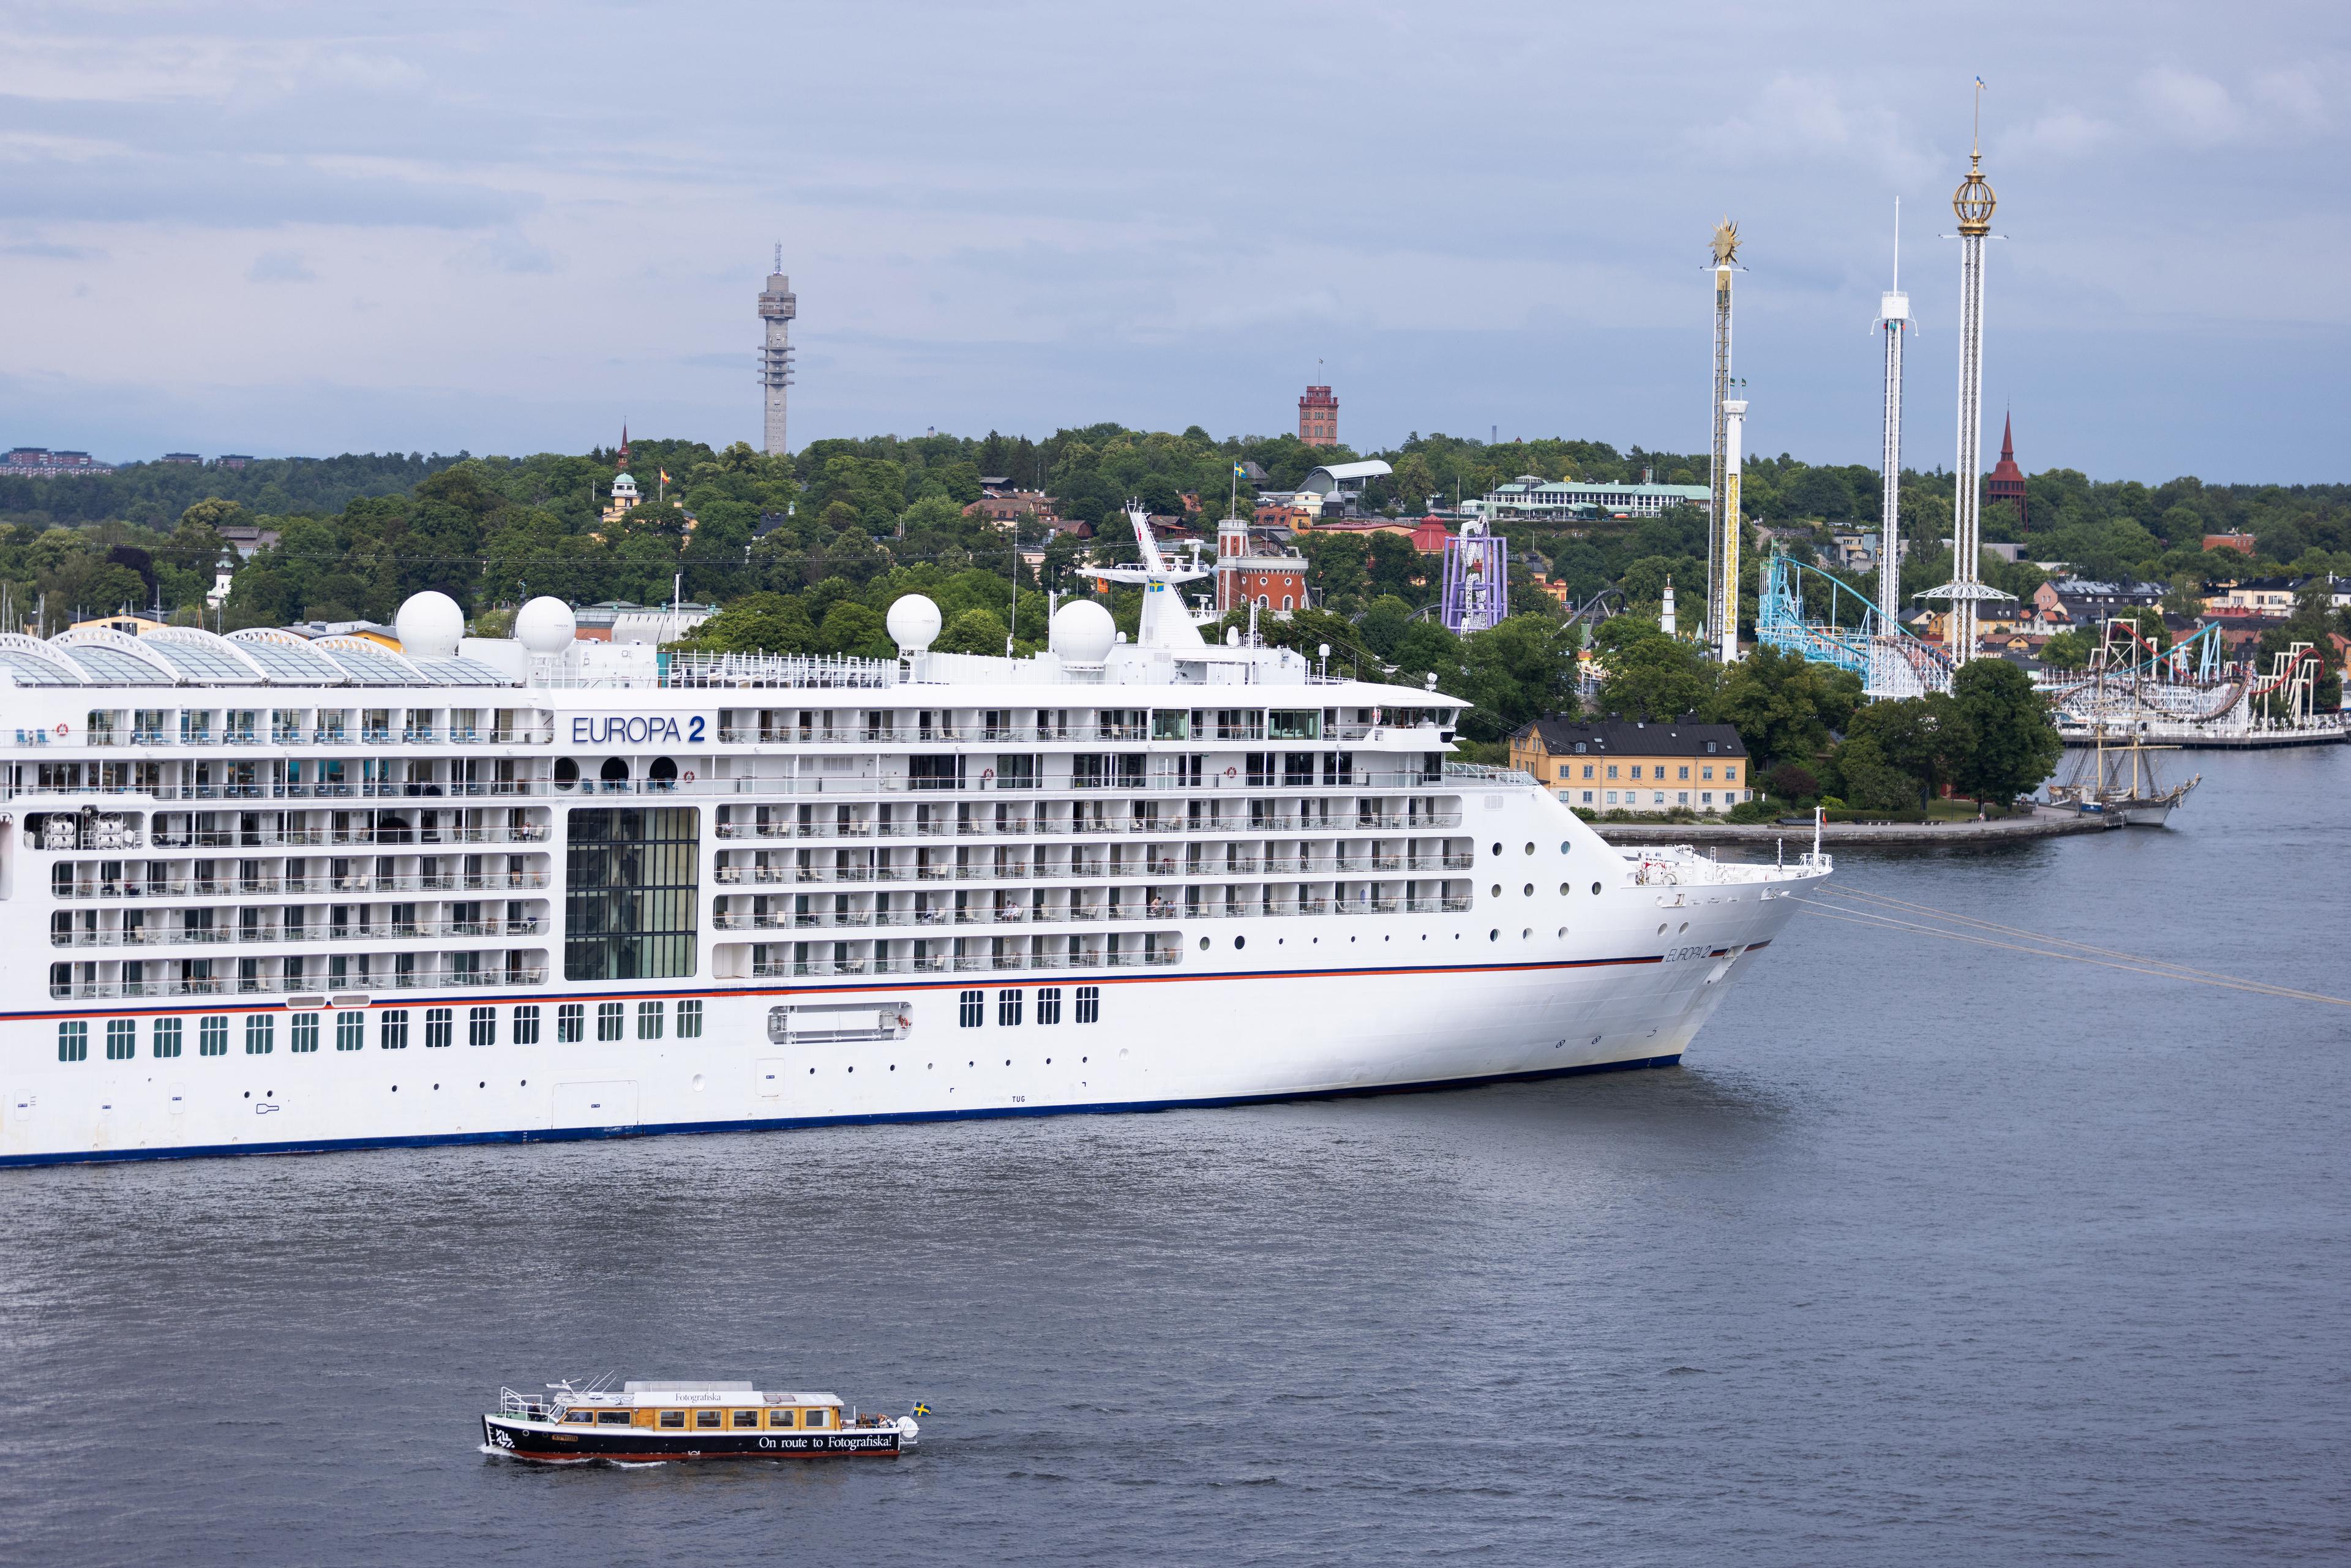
[[1891, 660]]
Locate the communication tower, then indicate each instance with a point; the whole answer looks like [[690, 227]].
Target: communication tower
[[1973, 201], [777, 307]]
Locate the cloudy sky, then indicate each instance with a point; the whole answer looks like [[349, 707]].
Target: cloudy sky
[[315, 228]]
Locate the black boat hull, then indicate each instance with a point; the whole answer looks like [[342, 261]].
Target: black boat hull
[[638, 1445]]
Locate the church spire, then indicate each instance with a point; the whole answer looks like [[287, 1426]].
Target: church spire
[[2007, 438]]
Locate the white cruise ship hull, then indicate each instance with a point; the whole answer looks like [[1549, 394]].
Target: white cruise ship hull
[[1306, 1006]]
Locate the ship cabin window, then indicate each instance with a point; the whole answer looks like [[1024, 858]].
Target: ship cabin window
[[1048, 1004], [689, 1018], [612, 1417], [607, 1020], [704, 1418], [819, 1418], [1089, 1004], [579, 1418], [167, 1037], [746, 1418], [440, 1028], [525, 1026], [303, 1033], [672, 1418], [570, 1023], [649, 1020], [350, 1031], [211, 1037], [779, 1418], [391, 1033], [1007, 1008], [73, 1040], [121, 1038], [971, 1009]]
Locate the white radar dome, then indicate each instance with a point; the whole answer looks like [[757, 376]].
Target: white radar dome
[[545, 625], [429, 625], [1083, 631], [914, 623]]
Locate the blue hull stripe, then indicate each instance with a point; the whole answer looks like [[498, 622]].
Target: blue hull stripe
[[781, 1124]]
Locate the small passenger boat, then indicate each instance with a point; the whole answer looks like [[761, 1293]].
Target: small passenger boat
[[647, 1421]]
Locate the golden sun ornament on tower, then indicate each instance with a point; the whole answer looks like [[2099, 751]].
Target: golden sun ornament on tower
[[1726, 243]]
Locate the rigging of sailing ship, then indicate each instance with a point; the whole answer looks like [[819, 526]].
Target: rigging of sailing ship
[[2118, 779]]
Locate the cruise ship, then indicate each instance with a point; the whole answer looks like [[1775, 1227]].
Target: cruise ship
[[264, 892]]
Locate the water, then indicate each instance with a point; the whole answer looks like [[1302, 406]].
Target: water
[[1931, 1254]]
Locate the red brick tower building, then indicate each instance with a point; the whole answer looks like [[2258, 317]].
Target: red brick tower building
[[1318, 417], [2007, 481]]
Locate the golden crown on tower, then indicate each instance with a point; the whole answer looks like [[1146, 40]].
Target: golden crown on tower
[[1974, 200]]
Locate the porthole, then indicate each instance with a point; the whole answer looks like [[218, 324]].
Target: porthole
[[1526, 934], [1562, 846], [1530, 846], [1203, 944], [1530, 890], [1661, 931], [1563, 890], [1240, 941], [1495, 934], [1498, 889], [1595, 890], [1685, 924], [1498, 848], [1563, 931]]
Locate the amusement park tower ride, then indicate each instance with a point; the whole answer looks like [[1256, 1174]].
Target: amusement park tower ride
[[1893, 319], [1973, 201], [1722, 535]]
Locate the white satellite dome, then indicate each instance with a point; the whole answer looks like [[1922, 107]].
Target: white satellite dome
[[545, 625], [429, 625], [1083, 631], [914, 621]]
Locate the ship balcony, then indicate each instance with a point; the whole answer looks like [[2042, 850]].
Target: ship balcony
[[239, 887], [280, 985], [276, 934]]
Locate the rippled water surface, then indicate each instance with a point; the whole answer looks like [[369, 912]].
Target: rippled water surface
[[1929, 1253]]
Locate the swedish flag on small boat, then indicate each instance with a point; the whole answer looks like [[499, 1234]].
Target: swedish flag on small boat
[[921, 1410]]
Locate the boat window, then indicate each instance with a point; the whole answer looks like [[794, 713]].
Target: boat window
[[708, 1418], [779, 1418], [746, 1417], [580, 1417], [672, 1418], [819, 1417], [607, 1020], [611, 1418]]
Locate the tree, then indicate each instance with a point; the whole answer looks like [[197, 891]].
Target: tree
[[1383, 624], [2068, 649], [1517, 670], [973, 632], [1783, 706], [1866, 781], [1651, 675], [1923, 737], [2015, 745]]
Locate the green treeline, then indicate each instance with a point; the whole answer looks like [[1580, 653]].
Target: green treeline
[[807, 550]]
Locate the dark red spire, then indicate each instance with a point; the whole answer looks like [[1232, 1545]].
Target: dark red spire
[[2005, 484]]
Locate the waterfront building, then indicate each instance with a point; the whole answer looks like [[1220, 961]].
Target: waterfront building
[[1531, 496], [1253, 571], [41, 463], [1617, 765], [1317, 418], [1005, 508]]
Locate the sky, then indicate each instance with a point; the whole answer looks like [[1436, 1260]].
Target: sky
[[305, 229]]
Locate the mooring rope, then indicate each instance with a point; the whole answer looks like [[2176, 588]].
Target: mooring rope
[[1860, 912]]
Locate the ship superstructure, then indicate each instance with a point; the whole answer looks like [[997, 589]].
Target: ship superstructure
[[266, 892]]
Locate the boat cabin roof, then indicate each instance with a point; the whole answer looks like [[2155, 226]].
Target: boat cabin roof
[[657, 1395]]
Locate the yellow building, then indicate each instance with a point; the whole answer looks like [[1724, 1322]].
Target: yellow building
[[1619, 765]]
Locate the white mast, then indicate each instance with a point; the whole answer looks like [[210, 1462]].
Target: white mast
[[1722, 520]]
